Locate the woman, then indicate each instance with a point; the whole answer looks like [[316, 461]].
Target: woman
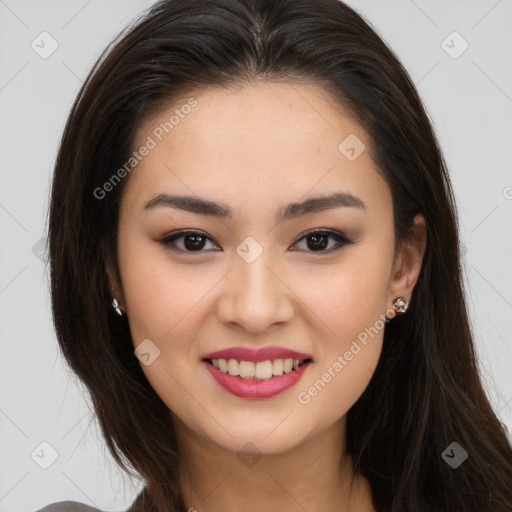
[[255, 270]]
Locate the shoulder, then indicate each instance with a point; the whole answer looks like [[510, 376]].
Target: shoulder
[[75, 506], [68, 506]]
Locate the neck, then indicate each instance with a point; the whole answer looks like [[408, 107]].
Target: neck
[[316, 476]]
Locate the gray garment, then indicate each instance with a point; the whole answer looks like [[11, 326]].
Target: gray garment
[[68, 506], [74, 506]]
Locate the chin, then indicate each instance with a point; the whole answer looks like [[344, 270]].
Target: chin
[[269, 437]]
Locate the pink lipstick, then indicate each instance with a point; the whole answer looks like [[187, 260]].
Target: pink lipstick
[[255, 355], [256, 388]]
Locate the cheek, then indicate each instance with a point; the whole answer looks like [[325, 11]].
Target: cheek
[[337, 383], [164, 305], [347, 299], [349, 310], [348, 351], [160, 295]]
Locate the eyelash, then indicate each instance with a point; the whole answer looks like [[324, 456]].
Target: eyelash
[[168, 241]]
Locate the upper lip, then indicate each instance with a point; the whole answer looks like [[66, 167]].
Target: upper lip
[[256, 354]]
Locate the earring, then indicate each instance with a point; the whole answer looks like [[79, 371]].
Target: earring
[[400, 305], [115, 305]]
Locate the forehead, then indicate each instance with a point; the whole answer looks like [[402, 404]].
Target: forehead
[[265, 139]]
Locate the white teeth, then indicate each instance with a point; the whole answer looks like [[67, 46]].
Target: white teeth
[[277, 367], [246, 369], [233, 367], [262, 370]]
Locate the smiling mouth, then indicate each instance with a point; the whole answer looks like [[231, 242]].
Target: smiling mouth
[[261, 370]]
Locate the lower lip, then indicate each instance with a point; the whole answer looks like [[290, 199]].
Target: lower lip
[[251, 388]]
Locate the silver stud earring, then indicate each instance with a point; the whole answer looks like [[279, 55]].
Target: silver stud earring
[[400, 305], [115, 305]]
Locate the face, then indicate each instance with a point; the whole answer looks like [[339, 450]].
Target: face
[[250, 273]]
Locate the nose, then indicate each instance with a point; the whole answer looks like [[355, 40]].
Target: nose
[[255, 296]]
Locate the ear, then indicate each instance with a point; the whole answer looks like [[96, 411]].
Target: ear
[[408, 261], [114, 286]]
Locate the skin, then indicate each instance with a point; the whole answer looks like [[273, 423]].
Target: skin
[[256, 149]]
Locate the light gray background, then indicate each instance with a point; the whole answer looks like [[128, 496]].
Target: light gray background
[[469, 99]]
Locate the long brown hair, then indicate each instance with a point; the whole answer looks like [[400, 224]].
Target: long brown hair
[[426, 392]]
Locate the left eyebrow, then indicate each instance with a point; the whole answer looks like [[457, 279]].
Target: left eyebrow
[[292, 210]]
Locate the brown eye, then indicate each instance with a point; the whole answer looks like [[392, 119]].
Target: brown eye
[[318, 240], [193, 241]]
